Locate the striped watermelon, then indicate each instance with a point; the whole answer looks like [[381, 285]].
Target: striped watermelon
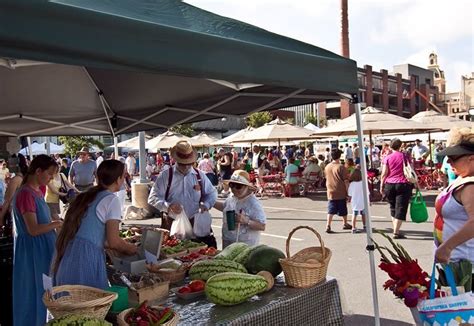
[[232, 288], [204, 269]]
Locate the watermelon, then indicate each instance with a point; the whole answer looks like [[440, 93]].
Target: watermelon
[[233, 288], [232, 251], [204, 269], [265, 259]]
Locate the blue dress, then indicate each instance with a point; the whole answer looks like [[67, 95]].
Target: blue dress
[[83, 262], [32, 259]]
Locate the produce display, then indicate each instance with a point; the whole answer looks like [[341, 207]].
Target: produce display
[[233, 288], [78, 320], [193, 286], [232, 251], [145, 315], [204, 269], [264, 258], [174, 246]]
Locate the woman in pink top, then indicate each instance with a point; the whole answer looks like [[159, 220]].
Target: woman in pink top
[[207, 166], [396, 187]]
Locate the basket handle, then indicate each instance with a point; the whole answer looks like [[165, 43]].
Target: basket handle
[[312, 230]]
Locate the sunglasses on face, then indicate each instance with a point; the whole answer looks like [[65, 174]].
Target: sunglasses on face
[[237, 186]]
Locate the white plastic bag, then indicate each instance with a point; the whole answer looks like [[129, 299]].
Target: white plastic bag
[[181, 227], [202, 224]]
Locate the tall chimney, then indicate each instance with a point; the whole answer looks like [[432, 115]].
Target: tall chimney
[[344, 30]]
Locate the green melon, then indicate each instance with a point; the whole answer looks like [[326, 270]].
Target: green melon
[[265, 259]]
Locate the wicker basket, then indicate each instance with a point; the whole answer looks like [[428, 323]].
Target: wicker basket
[[79, 300], [301, 273], [166, 274], [121, 317]]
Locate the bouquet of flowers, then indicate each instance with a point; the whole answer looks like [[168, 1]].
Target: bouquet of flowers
[[407, 280]]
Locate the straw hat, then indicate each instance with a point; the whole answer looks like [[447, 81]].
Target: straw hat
[[460, 142], [241, 177], [313, 159], [183, 152], [84, 150]]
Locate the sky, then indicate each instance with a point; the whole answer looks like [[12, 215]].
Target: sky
[[382, 33]]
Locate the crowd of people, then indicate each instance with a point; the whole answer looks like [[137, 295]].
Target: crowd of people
[[72, 250]]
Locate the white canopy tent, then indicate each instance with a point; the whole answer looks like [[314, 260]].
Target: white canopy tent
[[40, 148]]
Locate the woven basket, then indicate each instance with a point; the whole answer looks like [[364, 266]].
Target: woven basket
[[300, 273], [121, 317], [173, 276], [79, 300]]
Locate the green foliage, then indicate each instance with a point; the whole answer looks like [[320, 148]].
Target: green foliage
[[258, 119], [73, 144], [310, 118], [184, 129]]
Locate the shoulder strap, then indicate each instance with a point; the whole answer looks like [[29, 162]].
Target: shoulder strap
[[170, 179], [199, 179], [459, 182]]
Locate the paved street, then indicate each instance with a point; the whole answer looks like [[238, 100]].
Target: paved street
[[350, 261]]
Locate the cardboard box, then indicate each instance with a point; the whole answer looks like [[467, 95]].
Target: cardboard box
[[136, 264], [155, 292]]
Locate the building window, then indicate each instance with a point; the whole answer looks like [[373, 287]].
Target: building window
[[377, 83], [362, 81], [392, 87]]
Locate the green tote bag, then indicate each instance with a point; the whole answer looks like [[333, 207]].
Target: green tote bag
[[418, 210]]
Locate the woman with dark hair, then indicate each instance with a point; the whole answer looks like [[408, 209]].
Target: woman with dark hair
[[13, 184], [34, 239], [395, 186], [91, 223]]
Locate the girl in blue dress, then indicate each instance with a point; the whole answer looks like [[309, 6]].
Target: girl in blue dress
[[91, 223], [34, 238]]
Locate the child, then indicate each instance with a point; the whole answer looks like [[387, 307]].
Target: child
[[356, 198]]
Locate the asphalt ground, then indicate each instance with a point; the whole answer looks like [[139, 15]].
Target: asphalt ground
[[350, 260]]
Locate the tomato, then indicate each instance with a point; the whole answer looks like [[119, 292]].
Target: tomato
[[197, 285], [185, 289]]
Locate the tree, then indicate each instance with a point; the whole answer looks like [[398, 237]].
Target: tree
[[258, 119], [73, 144], [184, 129], [310, 118]]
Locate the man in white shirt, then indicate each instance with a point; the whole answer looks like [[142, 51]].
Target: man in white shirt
[[99, 158], [187, 188], [419, 151], [130, 163]]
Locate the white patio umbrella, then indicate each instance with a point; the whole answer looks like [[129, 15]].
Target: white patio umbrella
[[440, 121], [276, 130], [56, 149], [312, 127], [132, 143], [235, 136], [203, 140], [36, 149], [164, 141]]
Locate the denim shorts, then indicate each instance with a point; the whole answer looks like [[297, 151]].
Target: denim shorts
[[361, 212], [337, 207]]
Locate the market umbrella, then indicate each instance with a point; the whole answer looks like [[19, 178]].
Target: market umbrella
[[375, 121], [132, 143], [123, 67], [234, 137], [36, 149], [440, 121], [276, 130], [312, 127], [164, 141], [203, 140]]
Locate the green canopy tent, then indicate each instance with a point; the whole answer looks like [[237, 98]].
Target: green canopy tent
[[125, 66]]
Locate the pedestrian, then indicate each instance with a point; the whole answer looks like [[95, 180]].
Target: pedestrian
[[225, 168], [348, 152], [83, 171], [131, 163], [249, 215], [395, 186], [419, 152], [356, 198], [99, 158], [356, 153], [91, 224], [53, 192], [33, 242], [337, 182], [206, 165], [454, 221], [64, 167], [183, 187]]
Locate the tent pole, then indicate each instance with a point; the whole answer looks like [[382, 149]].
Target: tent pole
[[370, 246], [142, 154], [48, 146], [30, 153], [116, 154], [429, 148], [370, 150]]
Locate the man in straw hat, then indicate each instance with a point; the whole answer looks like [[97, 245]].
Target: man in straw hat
[[250, 218], [182, 187], [83, 171]]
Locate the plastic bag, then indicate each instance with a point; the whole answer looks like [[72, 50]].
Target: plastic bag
[[181, 227], [202, 224]]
